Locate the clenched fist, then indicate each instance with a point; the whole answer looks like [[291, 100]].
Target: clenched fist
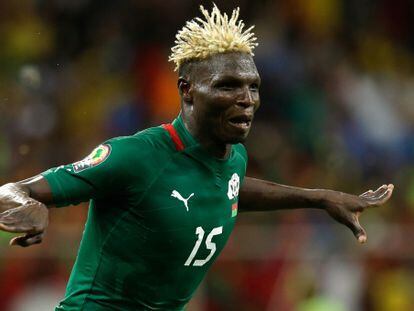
[[22, 214]]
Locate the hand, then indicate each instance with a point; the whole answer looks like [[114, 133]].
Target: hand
[[346, 208], [23, 215]]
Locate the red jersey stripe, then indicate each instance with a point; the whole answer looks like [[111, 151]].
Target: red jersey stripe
[[179, 145]]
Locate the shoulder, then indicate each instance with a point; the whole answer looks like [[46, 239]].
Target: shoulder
[[141, 154], [150, 140]]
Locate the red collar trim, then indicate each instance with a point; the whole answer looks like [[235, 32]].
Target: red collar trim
[[179, 145]]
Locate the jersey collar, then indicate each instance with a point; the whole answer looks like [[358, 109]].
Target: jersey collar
[[185, 136], [192, 147]]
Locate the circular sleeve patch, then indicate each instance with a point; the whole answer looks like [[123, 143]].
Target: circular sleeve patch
[[97, 156]]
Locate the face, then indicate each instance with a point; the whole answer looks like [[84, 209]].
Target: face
[[225, 96]]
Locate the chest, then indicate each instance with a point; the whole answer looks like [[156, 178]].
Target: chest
[[189, 194], [190, 208]]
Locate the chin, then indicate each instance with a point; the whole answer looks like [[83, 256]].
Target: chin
[[232, 135], [237, 139]]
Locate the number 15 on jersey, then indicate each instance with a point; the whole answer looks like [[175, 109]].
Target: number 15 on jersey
[[209, 245]]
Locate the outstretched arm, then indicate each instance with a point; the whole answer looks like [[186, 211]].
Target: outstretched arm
[[104, 172], [38, 188], [23, 207], [261, 195]]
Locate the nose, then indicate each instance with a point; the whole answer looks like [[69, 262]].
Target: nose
[[246, 98]]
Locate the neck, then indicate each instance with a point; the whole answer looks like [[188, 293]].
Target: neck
[[213, 146]]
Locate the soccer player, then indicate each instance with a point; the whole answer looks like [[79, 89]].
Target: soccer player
[[164, 201]]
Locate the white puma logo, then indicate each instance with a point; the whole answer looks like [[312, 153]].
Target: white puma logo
[[178, 196]]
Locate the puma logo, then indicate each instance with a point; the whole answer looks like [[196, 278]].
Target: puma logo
[[178, 196]]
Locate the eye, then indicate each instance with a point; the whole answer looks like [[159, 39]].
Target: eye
[[254, 87], [227, 85]]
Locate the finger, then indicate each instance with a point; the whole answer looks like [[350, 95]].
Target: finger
[[376, 193], [19, 226], [20, 219], [357, 230], [385, 188], [367, 193], [8, 221], [24, 209], [12, 210], [16, 229], [377, 197], [381, 195], [380, 191], [13, 221], [27, 240]]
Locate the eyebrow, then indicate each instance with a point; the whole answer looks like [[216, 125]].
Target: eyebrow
[[251, 78]]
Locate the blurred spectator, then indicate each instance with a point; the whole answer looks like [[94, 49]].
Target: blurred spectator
[[337, 111]]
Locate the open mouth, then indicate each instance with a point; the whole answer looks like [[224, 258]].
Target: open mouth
[[242, 121]]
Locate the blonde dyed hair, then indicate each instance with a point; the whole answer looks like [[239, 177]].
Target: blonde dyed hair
[[200, 39]]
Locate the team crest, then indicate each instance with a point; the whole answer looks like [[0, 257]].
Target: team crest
[[98, 155], [234, 186]]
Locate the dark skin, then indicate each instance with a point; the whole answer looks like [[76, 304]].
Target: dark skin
[[219, 97]]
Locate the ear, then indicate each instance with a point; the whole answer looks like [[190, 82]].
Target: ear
[[184, 88]]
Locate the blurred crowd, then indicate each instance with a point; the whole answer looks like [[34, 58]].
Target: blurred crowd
[[337, 112]]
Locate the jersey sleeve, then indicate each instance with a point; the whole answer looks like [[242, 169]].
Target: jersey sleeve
[[103, 172]]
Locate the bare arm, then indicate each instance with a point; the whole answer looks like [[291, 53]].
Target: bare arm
[[261, 195], [37, 188], [23, 207]]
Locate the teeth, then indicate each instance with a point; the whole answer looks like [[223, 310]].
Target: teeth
[[241, 123], [240, 120]]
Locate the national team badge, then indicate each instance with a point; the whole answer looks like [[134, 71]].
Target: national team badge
[[234, 186], [234, 210], [98, 155]]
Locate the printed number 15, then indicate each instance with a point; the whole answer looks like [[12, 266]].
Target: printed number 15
[[209, 245]]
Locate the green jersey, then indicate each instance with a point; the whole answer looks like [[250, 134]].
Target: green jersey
[[161, 210]]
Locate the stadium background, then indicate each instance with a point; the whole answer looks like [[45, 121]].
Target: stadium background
[[337, 112]]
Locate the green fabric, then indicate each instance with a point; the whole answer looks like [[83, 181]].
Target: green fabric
[[141, 248]]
